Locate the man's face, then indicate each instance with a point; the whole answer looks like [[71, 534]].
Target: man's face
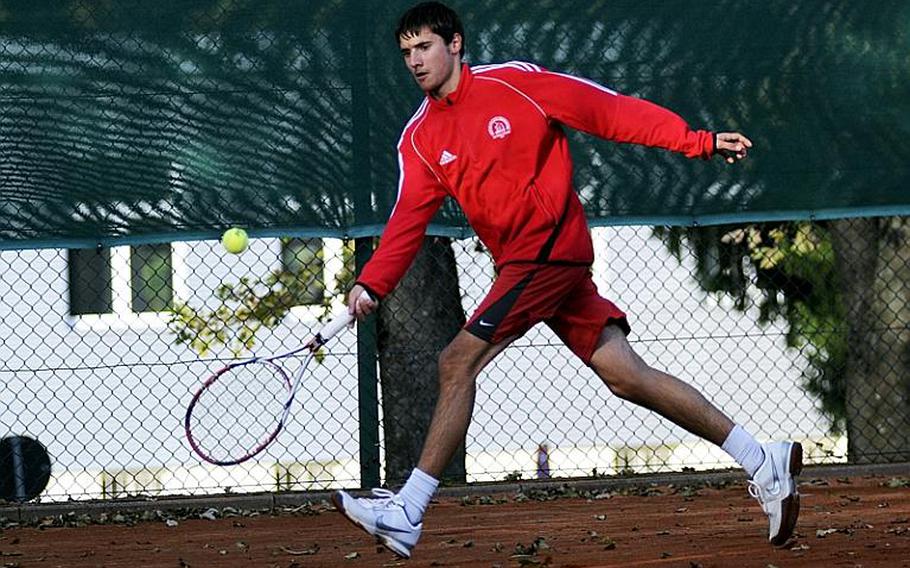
[[431, 61]]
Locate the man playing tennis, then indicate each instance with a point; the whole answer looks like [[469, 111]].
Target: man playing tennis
[[491, 137]]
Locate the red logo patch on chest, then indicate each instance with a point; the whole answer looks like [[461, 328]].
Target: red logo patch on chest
[[499, 127]]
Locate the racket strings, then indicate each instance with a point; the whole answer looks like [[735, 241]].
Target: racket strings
[[239, 411]]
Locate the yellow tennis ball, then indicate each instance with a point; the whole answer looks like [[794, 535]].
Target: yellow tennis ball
[[235, 240]]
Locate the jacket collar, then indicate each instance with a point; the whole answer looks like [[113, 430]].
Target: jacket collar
[[460, 92]]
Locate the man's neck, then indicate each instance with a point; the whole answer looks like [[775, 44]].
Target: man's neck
[[451, 84]]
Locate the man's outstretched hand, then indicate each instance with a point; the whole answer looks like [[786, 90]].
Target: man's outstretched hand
[[732, 146]]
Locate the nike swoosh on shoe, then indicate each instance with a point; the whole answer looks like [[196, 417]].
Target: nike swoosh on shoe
[[380, 524]]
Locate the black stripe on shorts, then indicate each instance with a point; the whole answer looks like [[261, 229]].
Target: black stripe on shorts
[[485, 326]]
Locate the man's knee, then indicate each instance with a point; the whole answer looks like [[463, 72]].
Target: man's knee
[[460, 360], [451, 360], [617, 364]]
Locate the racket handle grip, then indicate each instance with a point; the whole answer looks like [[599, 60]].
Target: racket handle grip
[[336, 324]]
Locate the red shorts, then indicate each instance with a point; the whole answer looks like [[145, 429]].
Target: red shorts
[[563, 297]]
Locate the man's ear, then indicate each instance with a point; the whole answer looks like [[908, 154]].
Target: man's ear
[[455, 44]]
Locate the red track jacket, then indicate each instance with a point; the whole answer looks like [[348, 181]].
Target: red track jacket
[[496, 146]]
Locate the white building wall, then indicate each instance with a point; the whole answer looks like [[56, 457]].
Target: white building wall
[[108, 393]]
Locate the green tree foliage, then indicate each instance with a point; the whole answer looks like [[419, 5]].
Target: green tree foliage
[[250, 304], [787, 271]]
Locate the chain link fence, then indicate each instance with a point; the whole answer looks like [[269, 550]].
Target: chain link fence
[[797, 330], [132, 131]]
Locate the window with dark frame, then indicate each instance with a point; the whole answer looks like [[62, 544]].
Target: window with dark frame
[[89, 273], [91, 279], [151, 278]]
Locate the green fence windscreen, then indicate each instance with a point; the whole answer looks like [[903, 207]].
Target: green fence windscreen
[[138, 121]]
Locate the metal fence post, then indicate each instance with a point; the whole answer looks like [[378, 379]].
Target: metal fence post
[[367, 379]]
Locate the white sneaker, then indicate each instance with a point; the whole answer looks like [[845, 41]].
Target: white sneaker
[[774, 485], [382, 517]]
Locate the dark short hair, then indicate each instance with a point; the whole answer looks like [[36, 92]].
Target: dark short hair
[[442, 21]]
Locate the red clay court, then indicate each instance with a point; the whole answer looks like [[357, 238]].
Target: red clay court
[[857, 521]]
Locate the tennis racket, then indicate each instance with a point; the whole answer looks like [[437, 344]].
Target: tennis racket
[[240, 410]]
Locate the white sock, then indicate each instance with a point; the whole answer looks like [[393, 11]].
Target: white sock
[[416, 494], [743, 448]]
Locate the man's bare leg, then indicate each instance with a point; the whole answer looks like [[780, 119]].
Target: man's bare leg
[[630, 378], [773, 467], [395, 519], [459, 364]]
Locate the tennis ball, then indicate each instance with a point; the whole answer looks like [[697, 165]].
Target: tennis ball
[[235, 240]]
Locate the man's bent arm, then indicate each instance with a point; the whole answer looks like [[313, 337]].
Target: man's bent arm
[[420, 194]]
